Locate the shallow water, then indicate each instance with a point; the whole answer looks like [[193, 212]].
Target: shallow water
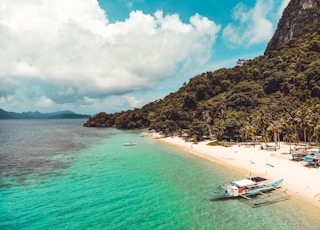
[[59, 175]]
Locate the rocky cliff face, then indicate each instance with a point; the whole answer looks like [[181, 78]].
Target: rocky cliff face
[[295, 17]]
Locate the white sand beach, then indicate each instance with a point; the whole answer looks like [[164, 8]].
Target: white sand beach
[[299, 180]]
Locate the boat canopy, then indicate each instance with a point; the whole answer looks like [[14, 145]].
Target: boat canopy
[[309, 159], [244, 182]]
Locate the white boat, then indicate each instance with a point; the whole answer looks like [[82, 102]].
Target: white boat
[[129, 144], [253, 186]]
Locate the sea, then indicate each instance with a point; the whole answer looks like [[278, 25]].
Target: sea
[[57, 174]]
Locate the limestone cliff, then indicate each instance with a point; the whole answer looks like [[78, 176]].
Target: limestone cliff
[[297, 15]]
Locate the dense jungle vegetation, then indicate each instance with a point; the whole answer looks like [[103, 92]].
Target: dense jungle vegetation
[[275, 96]]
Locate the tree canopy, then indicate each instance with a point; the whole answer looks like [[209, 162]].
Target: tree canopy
[[267, 95]]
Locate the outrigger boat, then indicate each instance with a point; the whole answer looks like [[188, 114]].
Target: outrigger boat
[[250, 187]]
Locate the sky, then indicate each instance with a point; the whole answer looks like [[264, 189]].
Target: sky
[[90, 56]]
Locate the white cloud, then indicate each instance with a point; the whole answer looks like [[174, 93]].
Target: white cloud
[[133, 101], [252, 26], [45, 102], [70, 50], [88, 100], [6, 100]]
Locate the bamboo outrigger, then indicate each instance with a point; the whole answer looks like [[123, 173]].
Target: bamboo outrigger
[[254, 190]]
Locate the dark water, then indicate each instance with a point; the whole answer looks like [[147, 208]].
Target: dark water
[[59, 175], [31, 146]]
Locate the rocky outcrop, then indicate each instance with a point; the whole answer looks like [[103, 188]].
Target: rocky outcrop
[[295, 17]]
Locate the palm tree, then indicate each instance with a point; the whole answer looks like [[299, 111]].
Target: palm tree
[[315, 120], [219, 128], [274, 127], [247, 131], [304, 115], [291, 125], [243, 133], [317, 134], [222, 115], [207, 119], [261, 122], [265, 136], [291, 137]]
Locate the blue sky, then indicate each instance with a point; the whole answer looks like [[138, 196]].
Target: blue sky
[[112, 55]]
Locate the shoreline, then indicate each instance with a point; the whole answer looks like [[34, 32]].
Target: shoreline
[[300, 181]]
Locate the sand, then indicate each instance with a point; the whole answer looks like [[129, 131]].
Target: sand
[[251, 160]]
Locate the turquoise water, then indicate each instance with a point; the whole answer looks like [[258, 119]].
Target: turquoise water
[[85, 179]]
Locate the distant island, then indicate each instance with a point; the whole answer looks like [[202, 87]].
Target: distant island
[[37, 115]]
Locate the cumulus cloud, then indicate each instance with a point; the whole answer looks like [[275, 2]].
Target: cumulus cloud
[[252, 25], [6, 100], [45, 102], [132, 100], [69, 51]]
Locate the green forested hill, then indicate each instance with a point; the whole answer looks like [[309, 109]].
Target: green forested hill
[[277, 89]]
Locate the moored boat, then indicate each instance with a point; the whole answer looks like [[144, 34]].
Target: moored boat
[[129, 144], [248, 186], [253, 186]]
